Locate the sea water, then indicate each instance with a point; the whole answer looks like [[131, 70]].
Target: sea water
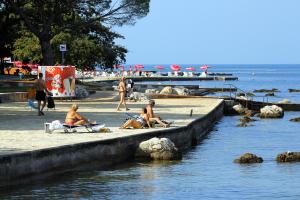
[[206, 171], [251, 77]]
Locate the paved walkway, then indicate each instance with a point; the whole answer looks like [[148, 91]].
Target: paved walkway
[[22, 130]]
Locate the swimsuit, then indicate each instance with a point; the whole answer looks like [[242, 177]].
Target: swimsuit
[[40, 95]]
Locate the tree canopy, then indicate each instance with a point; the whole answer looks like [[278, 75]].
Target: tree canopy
[[84, 25]]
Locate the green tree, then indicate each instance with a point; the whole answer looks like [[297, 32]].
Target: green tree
[[27, 47], [45, 19], [9, 23]]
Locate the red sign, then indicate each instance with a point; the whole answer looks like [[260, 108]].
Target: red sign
[[60, 80]]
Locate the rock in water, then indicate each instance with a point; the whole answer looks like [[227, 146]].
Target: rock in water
[[248, 158], [270, 94], [288, 157], [271, 112], [239, 109], [297, 119], [160, 149], [167, 90], [284, 101]]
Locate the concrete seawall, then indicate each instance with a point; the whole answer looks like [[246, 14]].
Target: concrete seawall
[[19, 166]]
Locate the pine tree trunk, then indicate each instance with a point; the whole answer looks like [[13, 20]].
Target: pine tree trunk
[[47, 52]]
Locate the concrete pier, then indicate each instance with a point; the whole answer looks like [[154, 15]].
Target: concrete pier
[[27, 151]]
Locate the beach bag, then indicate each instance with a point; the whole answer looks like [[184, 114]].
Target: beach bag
[[50, 102]]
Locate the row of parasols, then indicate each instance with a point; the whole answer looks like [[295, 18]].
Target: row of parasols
[[159, 67]]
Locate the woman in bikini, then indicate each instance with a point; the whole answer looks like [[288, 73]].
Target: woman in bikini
[[75, 119], [140, 122], [122, 90]]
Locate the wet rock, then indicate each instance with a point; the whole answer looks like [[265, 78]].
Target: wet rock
[[239, 109], [297, 119], [167, 90], [160, 149], [271, 112], [250, 113], [284, 101], [266, 90], [270, 94], [151, 91], [246, 119], [293, 90], [248, 158], [288, 157]]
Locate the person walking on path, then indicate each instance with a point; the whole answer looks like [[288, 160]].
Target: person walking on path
[[122, 93], [41, 92]]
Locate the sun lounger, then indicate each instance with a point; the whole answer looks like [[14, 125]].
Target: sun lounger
[[89, 127]]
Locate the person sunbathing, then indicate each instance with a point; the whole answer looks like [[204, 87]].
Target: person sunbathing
[[155, 118], [75, 119], [139, 122]]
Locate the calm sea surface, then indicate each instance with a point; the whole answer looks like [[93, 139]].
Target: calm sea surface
[[282, 77], [206, 171]]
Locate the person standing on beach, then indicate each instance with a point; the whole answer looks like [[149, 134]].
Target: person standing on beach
[[41, 92], [122, 93]]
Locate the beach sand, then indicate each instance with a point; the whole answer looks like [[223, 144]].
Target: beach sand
[[22, 130]]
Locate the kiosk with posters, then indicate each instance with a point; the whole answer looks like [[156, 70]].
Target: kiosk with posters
[[60, 80]]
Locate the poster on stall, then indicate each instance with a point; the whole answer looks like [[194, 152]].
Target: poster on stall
[[60, 80]]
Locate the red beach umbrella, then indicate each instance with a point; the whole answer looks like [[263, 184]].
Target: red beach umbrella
[[204, 67], [175, 67], [159, 67], [139, 66], [190, 68]]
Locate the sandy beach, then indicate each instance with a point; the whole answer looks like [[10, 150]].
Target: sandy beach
[[22, 130]]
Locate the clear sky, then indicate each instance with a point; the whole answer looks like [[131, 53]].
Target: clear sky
[[216, 32]]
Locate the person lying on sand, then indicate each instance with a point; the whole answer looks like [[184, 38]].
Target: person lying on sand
[[75, 119], [155, 118], [140, 122]]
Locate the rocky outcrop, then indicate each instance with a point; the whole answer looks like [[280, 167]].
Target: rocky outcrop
[[138, 96], [151, 91], [181, 91], [294, 90], [266, 90], [160, 149], [297, 119], [288, 157], [239, 109], [167, 90], [271, 112], [244, 121], [270, 94], [284, 101], [81, 92], [249, 158], [250, 113]]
